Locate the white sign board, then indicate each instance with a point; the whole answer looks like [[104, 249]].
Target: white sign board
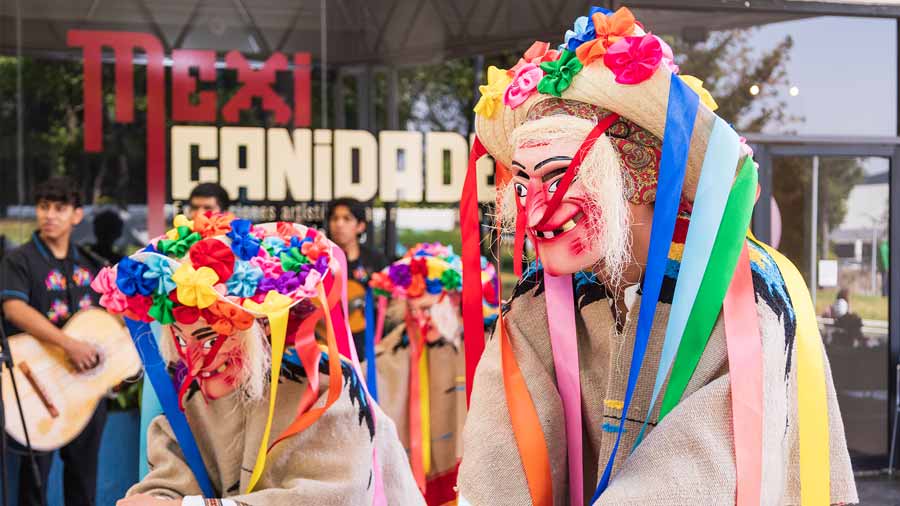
[[828, 273]]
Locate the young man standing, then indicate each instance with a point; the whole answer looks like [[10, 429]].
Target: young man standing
[[208, 197], [44, 282], [346, 224]]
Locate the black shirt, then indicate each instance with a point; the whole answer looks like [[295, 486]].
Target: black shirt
[[369, 261], [57, 288]]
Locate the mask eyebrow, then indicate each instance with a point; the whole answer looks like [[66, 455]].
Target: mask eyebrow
[[551, 160], [202, 332], [553, 173]]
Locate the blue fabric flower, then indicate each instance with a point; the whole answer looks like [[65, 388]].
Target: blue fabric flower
[[274, 245], [434, 286], [297, 242], [149, 249], [244, 279], [160, 271], [243, 244], [594, 10], [581, 32], [130, 278]]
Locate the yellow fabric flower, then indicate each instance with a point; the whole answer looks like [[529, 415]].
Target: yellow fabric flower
[[492, 92], [435, 269], [697, 85], [195, 287], [179, 221]]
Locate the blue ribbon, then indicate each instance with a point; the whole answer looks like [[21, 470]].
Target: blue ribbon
[[155, 367], [680, 115], [722, 153], [371, 370]]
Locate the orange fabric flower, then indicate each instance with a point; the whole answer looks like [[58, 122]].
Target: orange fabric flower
[[226, 319], [416, 287], [538, 53], [210, 224], [609, 29]]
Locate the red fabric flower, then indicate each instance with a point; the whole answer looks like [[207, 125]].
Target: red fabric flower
[[138, 307], [214, 254], [418, 266], [186, 315], [416, 287], [286, 230]]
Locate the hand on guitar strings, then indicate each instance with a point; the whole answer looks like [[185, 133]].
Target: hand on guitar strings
[[82, 355]]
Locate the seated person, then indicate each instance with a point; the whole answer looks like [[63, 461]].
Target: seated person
[[420, 363], [229, 295]]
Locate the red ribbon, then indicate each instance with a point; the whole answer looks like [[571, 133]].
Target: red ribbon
[[470, 228]]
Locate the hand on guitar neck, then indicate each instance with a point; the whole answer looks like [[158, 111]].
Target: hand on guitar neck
[[83, 356]]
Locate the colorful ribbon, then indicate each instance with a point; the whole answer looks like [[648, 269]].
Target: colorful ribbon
[[680, 115], [155, 367], [709, 203], [745, 370], [812, 399], [725, 253], [371, 370], [416, 337], [470, 229], [564, 343]]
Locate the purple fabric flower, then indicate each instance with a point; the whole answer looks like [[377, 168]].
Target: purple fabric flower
[[322, 265], [285, 284], [399, 274]]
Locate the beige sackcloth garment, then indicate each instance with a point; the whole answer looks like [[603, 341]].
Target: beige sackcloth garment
[[687, 459]]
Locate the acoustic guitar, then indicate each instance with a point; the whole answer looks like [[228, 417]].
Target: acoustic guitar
[[58, 401]]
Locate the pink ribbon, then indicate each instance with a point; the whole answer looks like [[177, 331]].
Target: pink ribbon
[[745, 367], [564, 342]]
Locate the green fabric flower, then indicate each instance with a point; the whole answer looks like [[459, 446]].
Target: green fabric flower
[[177, 248], [380, 292], [292, 259], [558, 74], [451, 279], [161, 309]]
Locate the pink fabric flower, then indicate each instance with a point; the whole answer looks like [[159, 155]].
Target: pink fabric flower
[[524, 84], [271, 266], [110, 296], [668, 58], [538, 53], [317, 247], [309, 287], [634, 59]]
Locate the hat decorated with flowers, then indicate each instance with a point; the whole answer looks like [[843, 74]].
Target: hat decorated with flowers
[[426, 268], [229, 272]]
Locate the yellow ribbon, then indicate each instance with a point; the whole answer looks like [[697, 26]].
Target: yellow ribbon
[[425, 409], [275, 306], [195, 287], [706, 97], [492, 92], [179, 221], [815, 468]]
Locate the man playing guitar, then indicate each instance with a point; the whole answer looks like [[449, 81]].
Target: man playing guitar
[[44, 282]]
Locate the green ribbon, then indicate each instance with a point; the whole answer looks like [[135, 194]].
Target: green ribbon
[[293, 259], [451, 279], [380, 292], [558, 74], [179, 247], [716, 278], [161, 309]]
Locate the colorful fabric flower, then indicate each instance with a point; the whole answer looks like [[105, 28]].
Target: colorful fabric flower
[[581, 32], [381, 283], [177, 248], [212, 224], [138, 307], [492, 92], [110, 296], [452, 279], [285, 284], [436, 269], [400, 275], [416, 286], [634, 59], [705, 97], [244, 279], [186, 315], [609, 30], [270, 265], [538, 53], [310, 283], [559, 74], [419, 266], [316, 247], [161, 309], [523, 85], [243, 244], [226, 318], [130, 278], [214, 254], [293, 260], [434, 286], [159, 269], [668, 58], [285, 230], [274, 245], [195, 287], [181, 221]]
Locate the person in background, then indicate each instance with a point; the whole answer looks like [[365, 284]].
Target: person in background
[[346, 223], [841, 305], [107, 230], [208, 197], [44, 282]]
